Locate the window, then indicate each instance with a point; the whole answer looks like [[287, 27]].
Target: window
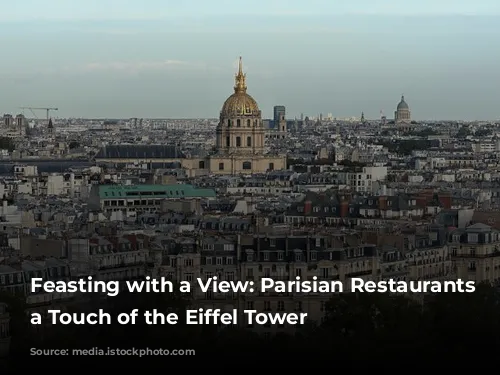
[[250, 257], [472, 238], [229, 123], [280, 255], [267, 305], [249, 141], [298, 257], [314, 256], [219, 261], [272, 242], [228, 141], [238, 123], [229, 260], [188, 277], [208, 260], [247, 165], [188, 262], [221, 166], [238, 141], [271, 166], [266, 256], [281, 306], [248, 123]]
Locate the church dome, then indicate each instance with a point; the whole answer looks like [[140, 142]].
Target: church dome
[[402, 104], [240, 103]]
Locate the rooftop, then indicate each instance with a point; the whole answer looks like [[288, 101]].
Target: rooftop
[[158, 191], [140, 152]]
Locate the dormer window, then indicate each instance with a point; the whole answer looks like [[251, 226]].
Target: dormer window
[[472, 238]]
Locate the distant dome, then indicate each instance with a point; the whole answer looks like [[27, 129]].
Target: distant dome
[[240, 103], [402, 104]]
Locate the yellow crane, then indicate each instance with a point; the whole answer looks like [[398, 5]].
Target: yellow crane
[[47, 109]]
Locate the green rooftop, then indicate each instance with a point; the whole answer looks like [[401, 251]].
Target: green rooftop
[[153, 191]]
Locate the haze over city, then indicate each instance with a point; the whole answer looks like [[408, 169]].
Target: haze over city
[[178, 59]]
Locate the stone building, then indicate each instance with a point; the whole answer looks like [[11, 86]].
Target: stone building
[[475, 252], [240, 145], [240, 142], [402, 114]]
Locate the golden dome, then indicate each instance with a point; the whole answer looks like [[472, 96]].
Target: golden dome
[[240, 103]]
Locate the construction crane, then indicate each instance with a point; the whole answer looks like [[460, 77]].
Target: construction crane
[[40, 108]]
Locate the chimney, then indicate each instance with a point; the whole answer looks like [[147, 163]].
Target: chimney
[[344, 209], [307, 207], [445, 200], [382, 203]]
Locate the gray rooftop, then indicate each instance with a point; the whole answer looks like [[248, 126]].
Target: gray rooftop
[[140, 152]]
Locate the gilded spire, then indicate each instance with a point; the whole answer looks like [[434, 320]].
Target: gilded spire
[[240, 84]]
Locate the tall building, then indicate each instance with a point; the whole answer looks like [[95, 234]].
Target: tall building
[[402, 114], [240, 135], [8, 121], [279, 114]]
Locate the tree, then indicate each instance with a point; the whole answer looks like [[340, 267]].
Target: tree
[[7, 144]]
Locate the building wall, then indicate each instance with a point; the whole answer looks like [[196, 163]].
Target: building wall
[[236, 164]]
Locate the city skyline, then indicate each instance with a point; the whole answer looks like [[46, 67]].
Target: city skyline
[[97, 64]]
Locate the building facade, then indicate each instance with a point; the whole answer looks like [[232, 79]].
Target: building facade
[[240, 142], [402, 116], [240, 139]]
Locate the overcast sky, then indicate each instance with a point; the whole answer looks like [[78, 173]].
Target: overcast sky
[[160, 58]]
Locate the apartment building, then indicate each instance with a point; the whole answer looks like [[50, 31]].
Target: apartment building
[[475, 252]]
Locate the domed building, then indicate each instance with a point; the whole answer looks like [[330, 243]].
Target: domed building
[[240, 135], [402, 114], [240, 143]]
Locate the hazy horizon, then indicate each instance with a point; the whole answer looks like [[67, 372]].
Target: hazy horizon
[[163, 61]]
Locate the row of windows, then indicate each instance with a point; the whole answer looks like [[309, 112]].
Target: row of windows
[[238, 141], [247, 165], [238, 123]]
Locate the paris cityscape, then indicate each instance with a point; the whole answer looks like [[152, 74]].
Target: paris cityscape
[[377, 196]]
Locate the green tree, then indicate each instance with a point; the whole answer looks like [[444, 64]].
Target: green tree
[[7, 144]]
